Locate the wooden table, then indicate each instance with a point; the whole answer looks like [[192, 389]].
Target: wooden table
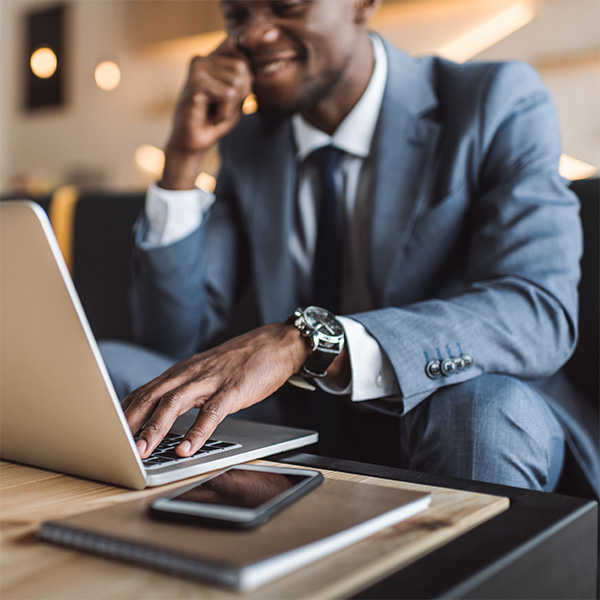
[[424, 558]]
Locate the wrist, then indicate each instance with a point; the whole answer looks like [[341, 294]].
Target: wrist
[[181, 169], [297, 347], [340, 369]]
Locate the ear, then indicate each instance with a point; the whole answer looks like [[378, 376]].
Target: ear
[[364, 10]]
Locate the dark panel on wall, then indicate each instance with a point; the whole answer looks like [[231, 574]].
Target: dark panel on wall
[[45, 29]]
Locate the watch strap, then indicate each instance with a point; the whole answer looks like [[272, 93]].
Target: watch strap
[[318, 362]]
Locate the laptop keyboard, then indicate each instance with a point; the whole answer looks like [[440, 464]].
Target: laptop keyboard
[[164, 454]]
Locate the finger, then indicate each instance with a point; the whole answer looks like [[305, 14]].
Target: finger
[[180, 395], [138, 407], [212, 100], [228, 109], [131, 397], [170, 406], [228, 48], [209, 416], [232, 71], [216, 82], [140, 404]]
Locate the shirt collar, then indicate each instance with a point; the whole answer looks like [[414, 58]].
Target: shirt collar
[[355, 132]]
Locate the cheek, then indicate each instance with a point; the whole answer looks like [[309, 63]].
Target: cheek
[[333, 41], [328, 46]]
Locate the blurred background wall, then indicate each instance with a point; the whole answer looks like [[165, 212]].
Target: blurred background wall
[[109, 138]]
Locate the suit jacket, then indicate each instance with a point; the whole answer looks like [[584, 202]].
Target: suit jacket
[[475, 239]]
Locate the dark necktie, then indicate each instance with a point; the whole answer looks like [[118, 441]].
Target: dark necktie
[[330, 227]]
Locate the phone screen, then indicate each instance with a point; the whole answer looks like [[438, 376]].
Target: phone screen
[[240, 487], [243, 496]]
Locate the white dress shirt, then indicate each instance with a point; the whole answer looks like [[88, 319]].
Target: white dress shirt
[[172, 215]]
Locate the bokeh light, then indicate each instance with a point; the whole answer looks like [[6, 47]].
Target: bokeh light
[[43, 63], [108, 75]]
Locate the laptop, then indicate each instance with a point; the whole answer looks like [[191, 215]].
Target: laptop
[[58, 408]]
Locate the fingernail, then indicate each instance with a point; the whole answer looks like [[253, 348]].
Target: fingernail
[[185, 446], [141, 446]]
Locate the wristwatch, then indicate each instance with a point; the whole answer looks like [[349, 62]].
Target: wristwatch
[[326, 337]]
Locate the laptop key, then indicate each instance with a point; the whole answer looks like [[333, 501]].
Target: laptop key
[[221, 445], [164, 454], [171, 453]]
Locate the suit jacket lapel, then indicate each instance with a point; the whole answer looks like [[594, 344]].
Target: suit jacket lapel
[[404, 158], [403, 154], [270, 213]]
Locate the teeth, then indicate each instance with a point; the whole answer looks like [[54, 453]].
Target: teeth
[[271, 67]]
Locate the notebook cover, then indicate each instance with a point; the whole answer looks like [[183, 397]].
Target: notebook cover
[[331, 517]]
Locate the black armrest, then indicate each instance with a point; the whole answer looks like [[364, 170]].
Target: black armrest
[[102, 247], [583, 367]]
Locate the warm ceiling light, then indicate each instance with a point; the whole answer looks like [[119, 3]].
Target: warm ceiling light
[[151, 159], [108, 75], [488, 33], [206, 182], [249, 105], [573, 168], [43, 63]]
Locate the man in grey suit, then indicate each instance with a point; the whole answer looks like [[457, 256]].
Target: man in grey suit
[[450, 260]]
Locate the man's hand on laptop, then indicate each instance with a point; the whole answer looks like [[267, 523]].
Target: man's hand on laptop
[[220, 381]]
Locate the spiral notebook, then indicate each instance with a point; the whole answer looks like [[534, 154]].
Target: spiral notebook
[[333, 516]]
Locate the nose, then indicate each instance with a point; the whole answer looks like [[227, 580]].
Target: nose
[[256, 31]]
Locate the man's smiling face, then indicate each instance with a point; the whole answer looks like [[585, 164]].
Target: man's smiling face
[[300, 51]]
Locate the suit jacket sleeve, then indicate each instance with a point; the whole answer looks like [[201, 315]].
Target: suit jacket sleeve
[[515, 310], [182, 294]]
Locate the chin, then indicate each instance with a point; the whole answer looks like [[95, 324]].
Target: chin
[[277, 110], [315, 89], [275, 113]]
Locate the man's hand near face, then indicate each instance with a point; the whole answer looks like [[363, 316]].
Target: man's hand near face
[[221, 381], [208, 108]]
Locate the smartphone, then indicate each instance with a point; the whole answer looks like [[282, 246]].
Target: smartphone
[[243, 496]]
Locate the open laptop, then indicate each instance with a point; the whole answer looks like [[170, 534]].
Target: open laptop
[[58, 408]]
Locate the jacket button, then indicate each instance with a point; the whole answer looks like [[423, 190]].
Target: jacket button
[[448, 367], [468, 359], [459, 362], [432, 369]]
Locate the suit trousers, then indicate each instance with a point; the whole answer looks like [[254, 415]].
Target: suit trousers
[[492, 428]]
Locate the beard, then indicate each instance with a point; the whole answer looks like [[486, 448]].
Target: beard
[[314, 88]]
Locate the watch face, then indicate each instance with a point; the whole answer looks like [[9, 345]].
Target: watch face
[[323, 321]]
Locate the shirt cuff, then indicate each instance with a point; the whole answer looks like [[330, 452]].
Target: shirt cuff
[[372, 373], [173, 215]]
